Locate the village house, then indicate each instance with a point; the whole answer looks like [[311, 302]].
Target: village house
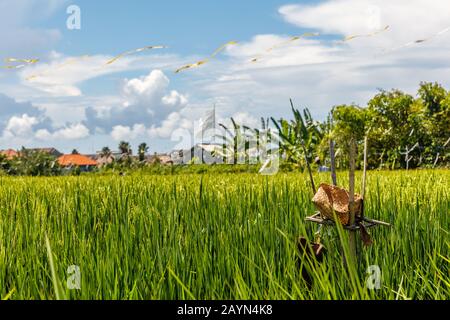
[[50, 151], [104, 160], [70, 161], [202, 153], [163, 159], [9, 154]]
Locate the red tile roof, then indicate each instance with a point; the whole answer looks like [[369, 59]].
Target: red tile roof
[[75, 160], [9, 153]]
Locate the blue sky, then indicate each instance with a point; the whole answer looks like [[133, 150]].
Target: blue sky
[[186, 26], [80, 103]]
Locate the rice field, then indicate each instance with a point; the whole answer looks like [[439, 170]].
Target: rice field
[[216, 236]]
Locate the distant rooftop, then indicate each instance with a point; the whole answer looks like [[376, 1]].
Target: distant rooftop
[[76, 160], [10, 153]]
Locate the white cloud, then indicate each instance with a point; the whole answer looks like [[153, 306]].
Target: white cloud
[[408, 19], [61, 75], [246, 119], [173, 122], [43, 134], [148, 87], [150, 92], [175, 99], [128, 133], [20, 126], [164, 131], [73, 132], [296, 53], [145, 100]]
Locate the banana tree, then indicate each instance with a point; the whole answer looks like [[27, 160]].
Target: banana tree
[[244, 144], [300, 137], [234, 143]]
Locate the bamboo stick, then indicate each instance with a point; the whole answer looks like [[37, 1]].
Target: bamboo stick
[[313, 186], [333, 163], [363, 188], [332, 155], [382, 223], [352, 237]]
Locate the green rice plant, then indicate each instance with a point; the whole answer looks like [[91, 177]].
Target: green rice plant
[[216, 236]]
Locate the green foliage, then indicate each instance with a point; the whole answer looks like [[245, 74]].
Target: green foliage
[[31, 163], [142, 150], [432, 95], [125, 148], [436, 107], [300, 138], [403, 131], [106, 152], [349, 123]]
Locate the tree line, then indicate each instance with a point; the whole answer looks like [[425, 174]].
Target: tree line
[[403, 132]]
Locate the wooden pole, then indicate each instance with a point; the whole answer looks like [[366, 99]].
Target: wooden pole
[[352, 237], [332, 154], [363, 188], [313, 186], [333, 163]]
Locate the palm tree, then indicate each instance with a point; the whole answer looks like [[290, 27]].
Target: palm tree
[[142, 150], [125, 148], [126, 152], [106, 157], [106, 152]]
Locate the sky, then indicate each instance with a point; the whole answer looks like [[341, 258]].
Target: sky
[[71, 99]]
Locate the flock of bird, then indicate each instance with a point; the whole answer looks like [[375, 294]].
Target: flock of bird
[[14, 63]]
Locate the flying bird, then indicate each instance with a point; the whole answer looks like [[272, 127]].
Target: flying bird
[[202, 62]]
